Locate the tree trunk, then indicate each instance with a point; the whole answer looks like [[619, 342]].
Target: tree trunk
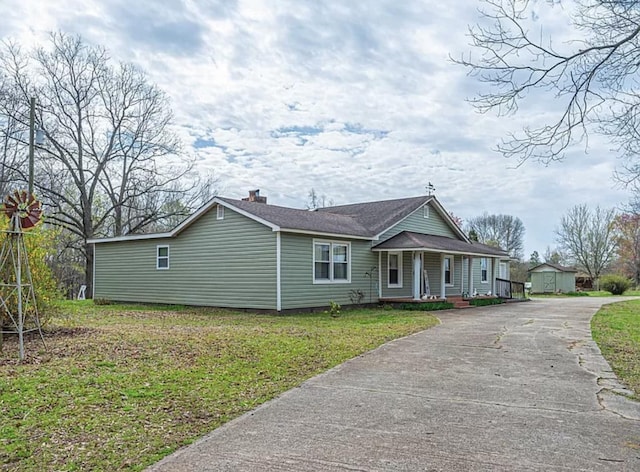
[[88, 269]]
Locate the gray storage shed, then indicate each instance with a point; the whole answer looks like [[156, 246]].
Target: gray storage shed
[[552, 278]]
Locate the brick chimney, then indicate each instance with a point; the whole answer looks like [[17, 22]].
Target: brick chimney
[[254, 196]]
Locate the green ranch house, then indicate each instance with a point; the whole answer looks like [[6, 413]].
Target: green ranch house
[[249, 254]]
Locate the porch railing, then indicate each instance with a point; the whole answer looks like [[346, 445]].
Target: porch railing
[[509, 289]]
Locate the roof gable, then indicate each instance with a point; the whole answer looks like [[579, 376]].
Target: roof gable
[[558, 267]]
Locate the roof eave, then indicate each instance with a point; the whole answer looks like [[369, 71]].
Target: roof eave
[[439, 251], [326, 234]]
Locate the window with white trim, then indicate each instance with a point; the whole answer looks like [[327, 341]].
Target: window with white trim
[[425, 211], [394, 270], [484, 272], [220, 213], [331, 262], [162, 257], [448, 270]]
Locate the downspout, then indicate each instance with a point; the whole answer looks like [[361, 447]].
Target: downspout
[[278, 272], [379, 274], [93, 284]]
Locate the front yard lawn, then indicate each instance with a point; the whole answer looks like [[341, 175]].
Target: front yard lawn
[[119, 387], [616, 329]]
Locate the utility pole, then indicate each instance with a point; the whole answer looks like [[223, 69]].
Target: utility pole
[[32, 125]]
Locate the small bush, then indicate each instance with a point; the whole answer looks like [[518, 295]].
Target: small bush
[[426, 306], [485, 301], [356, 296], [40, 248], [615, 284], [577, 294], [334, 309], [102, 301]]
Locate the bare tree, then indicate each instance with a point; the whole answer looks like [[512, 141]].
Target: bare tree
[[107, 130], [316, 201], [555, 256], [592, 79], [504, 231], [589, 238]]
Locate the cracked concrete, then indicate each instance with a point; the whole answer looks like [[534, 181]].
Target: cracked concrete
[[515, 387]]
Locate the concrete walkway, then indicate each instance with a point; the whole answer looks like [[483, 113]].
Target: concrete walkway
[[515, 387]]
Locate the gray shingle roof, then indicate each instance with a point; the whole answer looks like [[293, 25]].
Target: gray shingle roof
[[293, 218], [410, 240], [381, 215], [359, 219], [555, 266]]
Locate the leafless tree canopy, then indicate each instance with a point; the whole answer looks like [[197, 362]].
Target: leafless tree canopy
[[592, 79], [315, 201], [111, 163], [588, 237], [505, 231]]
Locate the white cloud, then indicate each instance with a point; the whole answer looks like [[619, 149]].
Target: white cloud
[[356, 99]]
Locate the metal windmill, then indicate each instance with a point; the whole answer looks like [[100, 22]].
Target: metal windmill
[[17, 293]]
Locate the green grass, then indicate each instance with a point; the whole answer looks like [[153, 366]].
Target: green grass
[[590, 293], [119, 387], [616, 329]]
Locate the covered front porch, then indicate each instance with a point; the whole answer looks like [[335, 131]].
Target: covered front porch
[[422, 267]]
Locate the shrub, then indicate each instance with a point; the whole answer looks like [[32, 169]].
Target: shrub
[[102, 301], [485, 301], [577, 294], [615, 284], [426, 306], [40, 248], [334, 309]]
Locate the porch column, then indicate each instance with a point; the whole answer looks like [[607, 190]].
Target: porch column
[[470, 272], [494, 274], [443, 289], [417, 268], [462, 276], [379, 274]]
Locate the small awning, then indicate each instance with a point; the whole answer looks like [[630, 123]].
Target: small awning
[[409, 241]]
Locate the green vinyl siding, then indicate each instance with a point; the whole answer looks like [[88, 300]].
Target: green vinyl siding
[[296, 269], [549, 281], [433, 264], [481, 287], [417, 223], [407, 277], [228, 263]]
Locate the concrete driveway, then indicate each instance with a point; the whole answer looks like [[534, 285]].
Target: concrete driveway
[[515, 387]]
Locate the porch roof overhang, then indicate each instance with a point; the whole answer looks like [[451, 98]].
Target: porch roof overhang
[[409, 241]]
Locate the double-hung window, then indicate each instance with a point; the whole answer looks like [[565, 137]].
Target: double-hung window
[[484, 273], [448, 270], [394, 267], [331, 262], [162, 257]]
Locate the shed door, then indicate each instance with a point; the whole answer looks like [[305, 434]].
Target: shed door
[[549, 282]]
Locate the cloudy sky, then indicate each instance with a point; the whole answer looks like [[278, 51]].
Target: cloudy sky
[[358, 100]]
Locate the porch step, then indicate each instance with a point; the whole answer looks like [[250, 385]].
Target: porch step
[[459, 304], [462, 307]]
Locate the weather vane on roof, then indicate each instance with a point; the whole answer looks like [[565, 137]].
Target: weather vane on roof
[[430, 189]]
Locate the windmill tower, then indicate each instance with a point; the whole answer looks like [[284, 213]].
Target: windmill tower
[[17, 293]]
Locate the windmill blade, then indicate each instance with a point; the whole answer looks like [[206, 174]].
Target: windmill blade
[[23, 206]]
